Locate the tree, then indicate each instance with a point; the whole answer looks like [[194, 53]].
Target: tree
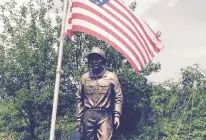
[[28, 65], [178, 108], [28, 71]]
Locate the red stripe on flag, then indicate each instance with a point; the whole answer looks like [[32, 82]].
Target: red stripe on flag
[[93, 21], [140, 37], [134, 43], [123, 14], [152, 31], [70, 20], [107, 40], [139, 23]]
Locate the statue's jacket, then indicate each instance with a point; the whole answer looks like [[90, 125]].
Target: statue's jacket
[[102, 91]]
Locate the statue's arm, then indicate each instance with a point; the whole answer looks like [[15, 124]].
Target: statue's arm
[[118, 98], [79, 102]]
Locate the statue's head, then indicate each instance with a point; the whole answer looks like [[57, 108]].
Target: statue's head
[[96, 58]]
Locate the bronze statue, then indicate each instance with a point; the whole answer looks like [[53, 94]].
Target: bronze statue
[[99, 99]]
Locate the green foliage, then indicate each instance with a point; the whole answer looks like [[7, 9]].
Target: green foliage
[[28, 63], [179, 108], [28, 60], [27, 70]]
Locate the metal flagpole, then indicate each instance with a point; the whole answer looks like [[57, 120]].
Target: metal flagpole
[[58, 73]]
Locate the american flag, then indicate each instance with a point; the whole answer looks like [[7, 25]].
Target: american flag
[[113, 22]]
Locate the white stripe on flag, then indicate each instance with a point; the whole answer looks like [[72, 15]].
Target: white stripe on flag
[[112, 28], [135, 23], [108, 35]]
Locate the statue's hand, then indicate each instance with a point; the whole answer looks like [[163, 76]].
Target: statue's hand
[[116, 122], [78, 125]]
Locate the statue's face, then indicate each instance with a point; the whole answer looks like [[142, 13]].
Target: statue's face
[[96, 61]]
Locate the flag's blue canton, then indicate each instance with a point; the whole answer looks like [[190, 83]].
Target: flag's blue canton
[[99, 2]]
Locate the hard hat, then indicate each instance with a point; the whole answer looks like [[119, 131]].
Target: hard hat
[[96, 50]]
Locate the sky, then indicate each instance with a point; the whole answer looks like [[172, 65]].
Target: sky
[[183, 27]]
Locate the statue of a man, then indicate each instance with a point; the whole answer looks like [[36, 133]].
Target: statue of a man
[[99, 99]]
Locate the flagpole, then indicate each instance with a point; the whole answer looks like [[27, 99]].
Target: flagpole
[[58, 73]]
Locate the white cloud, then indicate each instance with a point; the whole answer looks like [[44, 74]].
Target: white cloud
[[172, 3], [192, 53], [153, 23], [144, 5]]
